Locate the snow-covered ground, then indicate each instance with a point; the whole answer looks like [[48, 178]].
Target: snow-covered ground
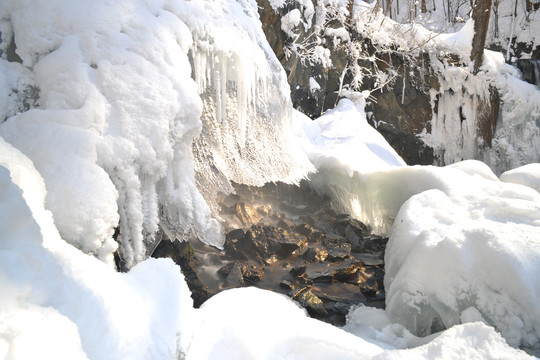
[[107, 141]]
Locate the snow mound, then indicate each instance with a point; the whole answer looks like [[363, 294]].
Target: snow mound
[[469, 249], [60, 303], [346, 150], [528, 175], [250, 323]]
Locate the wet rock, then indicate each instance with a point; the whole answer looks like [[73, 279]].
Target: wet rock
[[287, 285], [230, 201], [252, 273], [370, 259], [313, 235], [323, 276], [298, 270], [311, 302], [235, 278], [271, 260], [337, 247], [235, 244], [268, 241], [199, 292], [347, 270], [246, 214], [212, 260], [235, 234], [285, 224], [375, 243], [181, 252], [264, 209], [314, 254], [225, 269], [344, 224]]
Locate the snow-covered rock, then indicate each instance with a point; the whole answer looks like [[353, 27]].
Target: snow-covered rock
[[470, 242]]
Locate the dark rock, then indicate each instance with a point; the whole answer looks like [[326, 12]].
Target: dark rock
[[180, 252], [268, 241], [235, 234], [375, 243], [369, 259], [287, 285], [344, 222], [212, 260], [199, 292], [313, 235], [252, 273], [234, 279], [311, 302], [313, 254], [236, 245], [323, 276], [347, 270], [285, 224], [337, 248], [298, 270], [225, 270]]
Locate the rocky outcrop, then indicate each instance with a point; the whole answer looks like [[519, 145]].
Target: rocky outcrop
[[297, 246], [400, 111]]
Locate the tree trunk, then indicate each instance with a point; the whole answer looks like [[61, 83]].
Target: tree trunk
[[480, 16]]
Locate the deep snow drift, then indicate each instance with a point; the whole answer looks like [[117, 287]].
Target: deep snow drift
[[108, 141]]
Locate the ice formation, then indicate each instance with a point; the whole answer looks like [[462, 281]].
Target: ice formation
[[246, 121], [117, 99]]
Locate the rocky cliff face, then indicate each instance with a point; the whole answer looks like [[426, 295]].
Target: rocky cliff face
[[327, 55], [400, 110]]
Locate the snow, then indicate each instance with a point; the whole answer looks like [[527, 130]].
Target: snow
[[471, 241], [289, 21], [115, 134], [528, 175], [342, 138], [58, 302], [117, 99]]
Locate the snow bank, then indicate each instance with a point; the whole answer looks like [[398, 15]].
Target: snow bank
[[344, 149], [250, 323], [528, 175], [60, 303], [469, 246]]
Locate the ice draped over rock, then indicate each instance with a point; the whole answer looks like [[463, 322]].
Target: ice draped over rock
[[117, 98]]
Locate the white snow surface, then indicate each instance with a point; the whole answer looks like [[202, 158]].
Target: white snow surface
[[59, 303], [471, 241], [528, 175]]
